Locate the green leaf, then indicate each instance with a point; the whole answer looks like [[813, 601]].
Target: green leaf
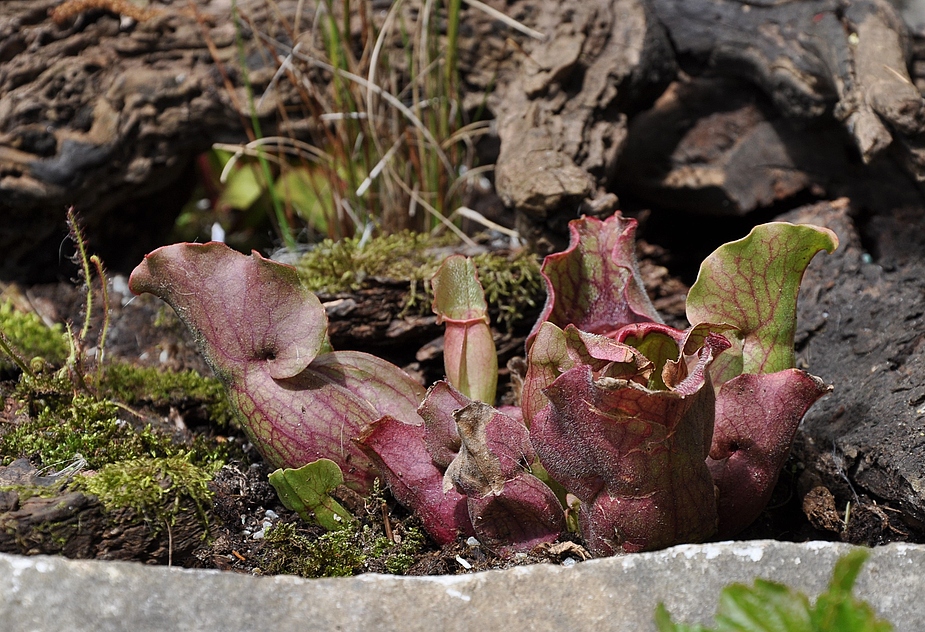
[[752, 284], [307, 492], [773, 607], [767, 607], [243, 187], [837, 610], [310, 193], [665, 624], [659, 348]]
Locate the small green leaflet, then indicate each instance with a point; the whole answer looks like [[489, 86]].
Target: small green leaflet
[[306, 491], [773, 607]]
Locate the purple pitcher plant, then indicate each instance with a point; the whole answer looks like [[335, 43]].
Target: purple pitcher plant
[[648, 435]]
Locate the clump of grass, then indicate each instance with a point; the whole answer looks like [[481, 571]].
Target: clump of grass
[[391, 148]]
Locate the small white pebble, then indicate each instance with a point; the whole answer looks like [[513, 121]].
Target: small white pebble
[[120, 284], [272, 515], [259, 535], [473, 541], [569, 561], [466, 565], [218, 233]]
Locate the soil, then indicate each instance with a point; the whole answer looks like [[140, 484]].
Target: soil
[[692, 135]]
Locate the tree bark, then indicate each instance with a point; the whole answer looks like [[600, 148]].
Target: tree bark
[[814, 57], [76, 525], [105, 112]]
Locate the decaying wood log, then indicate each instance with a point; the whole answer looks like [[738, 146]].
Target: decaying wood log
[[716, 146], [76, 525], [821, 64], [860, 328], [562, 116], [813, 57], [106, 113]]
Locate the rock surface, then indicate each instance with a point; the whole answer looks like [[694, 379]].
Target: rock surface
[[621, 593]]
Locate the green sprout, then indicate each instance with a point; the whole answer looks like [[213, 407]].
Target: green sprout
[[772, 607]]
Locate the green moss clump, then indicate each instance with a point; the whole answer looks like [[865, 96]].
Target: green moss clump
[[138, 468], [341, 266], [398, 557], [67, 425], [25, 492], [62, 421], [155, 488], [340, 553], [31, 337], [154, 387], [333, 554], [80, 424], [512, 282]]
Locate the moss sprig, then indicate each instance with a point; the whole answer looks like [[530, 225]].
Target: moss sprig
[[512, 281], [156, 488]]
